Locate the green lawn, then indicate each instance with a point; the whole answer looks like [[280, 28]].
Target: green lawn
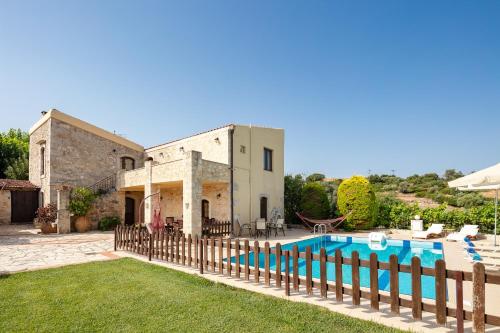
[[129, 295]]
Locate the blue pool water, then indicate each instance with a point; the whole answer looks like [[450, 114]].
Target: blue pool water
[[428, 252]]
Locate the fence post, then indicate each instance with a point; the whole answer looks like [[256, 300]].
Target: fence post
[[322, 271], [200, 247], [394, 282], [267, 279], [116, 229], [183, 249], [339, 292], [287, 273], [157, 246], [278, 264], [374, 281], [205, 253], [478, 298], [256, 265], [212, 253], [171, 240], [221, 255], [189, 243], [416, 287], [151, 246], [295, 256], [196, 243], [228, 255], [308, 271], [460, 301], [440, 278], [177, 247], [247, 256], [356, 299], [236, 258]]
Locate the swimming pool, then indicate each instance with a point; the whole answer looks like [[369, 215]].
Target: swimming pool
[[428, 252]]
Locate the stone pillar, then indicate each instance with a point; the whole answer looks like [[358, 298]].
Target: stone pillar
[[192, 191], [148, 191], [63, 215]]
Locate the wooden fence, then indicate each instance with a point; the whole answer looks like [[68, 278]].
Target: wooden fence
[[208, 255], [215, 228]]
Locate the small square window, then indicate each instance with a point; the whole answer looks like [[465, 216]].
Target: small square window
[[268, 159], [243, 149]]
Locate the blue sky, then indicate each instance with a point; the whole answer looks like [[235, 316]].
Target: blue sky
[[412, 86]]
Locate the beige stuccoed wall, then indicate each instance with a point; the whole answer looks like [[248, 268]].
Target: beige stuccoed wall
[[205, 143], [251, 181], [5, 210], [219, 207], [171, 203]]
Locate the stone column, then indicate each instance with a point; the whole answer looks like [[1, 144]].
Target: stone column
[[63, 215], [192, 191]]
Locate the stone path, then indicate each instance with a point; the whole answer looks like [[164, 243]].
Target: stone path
[[28, 251]]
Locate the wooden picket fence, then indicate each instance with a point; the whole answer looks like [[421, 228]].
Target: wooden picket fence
[[208, 255], [215, 228]]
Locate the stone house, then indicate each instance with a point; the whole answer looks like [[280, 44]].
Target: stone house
[[232, 173]]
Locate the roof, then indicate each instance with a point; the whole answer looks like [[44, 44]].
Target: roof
[[61, 116], [15, 184], [187, 137]]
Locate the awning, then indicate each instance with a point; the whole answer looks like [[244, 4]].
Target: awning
[[488, 176]]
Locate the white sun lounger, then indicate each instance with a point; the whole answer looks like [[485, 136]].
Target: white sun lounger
[[468, 230], [433, 230]]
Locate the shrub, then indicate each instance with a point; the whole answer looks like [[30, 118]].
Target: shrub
[[108, 223], [47, 214], [314, 203], [81, 201], [315, 177], [356, 198], [293, 197]]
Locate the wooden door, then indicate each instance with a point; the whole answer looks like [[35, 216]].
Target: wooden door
[[205, 209], [263, 208], [23, 206], [129, 211]]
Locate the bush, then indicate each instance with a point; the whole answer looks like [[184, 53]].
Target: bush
[[293, 197], [314, 203], [81, 201], [108, 223], [356, 197]]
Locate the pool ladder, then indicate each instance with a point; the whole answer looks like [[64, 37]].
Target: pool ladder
[[320, 229]]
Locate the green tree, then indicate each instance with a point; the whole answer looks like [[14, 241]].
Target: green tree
[[293, 197], [452, 174], [315, 177], [18, 169], [14, 149], [357, 198], [314, 203]]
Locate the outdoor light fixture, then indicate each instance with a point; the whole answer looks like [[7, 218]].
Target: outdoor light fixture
[[181, 149], [218, 195], [217, 140]]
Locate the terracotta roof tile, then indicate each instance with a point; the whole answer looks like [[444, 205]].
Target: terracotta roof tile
[[14, 184]]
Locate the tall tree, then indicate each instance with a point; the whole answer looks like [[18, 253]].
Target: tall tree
[[14, 149]]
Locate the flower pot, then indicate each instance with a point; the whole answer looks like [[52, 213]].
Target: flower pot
[[82, 224], [48, 228]]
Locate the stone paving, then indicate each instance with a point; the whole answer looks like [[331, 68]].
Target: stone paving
[[28, 250]]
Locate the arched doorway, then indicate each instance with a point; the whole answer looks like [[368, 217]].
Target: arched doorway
[[205, 210], [129, 211]]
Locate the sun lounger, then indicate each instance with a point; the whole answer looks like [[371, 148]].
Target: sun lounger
[[435, 230], [468, 231]]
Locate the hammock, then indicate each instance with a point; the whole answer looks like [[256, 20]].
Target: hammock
[[157, 223], [331, 224]]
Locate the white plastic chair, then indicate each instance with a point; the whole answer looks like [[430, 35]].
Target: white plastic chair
[[468, 230], [433, 230]]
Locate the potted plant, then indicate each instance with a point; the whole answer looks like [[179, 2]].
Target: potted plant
[[79, 205], [46, 217]]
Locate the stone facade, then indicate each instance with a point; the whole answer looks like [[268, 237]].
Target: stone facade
[[182, 172], [5, 211]]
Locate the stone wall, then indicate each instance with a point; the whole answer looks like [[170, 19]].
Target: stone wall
[[218, 198], [38, 138], [214, 146], [5, 210], [171, 203], [111, 204]]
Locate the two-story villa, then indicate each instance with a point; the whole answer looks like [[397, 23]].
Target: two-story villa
[[231, 173]]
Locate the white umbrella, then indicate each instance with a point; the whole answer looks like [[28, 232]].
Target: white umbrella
[[484, 180]]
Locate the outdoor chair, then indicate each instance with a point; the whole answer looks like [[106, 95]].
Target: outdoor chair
[[278, 225], [469, 231], [261, 228], [244, 226], [435, 230]]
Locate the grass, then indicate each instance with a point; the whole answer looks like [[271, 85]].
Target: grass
[[129, 295]]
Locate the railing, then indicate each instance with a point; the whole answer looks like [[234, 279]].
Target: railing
[[213, 228], [104, 185], [208, 255]]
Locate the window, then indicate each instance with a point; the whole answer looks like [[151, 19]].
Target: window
[[268, 159], [128, 163], [42, 160]]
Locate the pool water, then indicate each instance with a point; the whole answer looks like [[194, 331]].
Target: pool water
[[428, 252]]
